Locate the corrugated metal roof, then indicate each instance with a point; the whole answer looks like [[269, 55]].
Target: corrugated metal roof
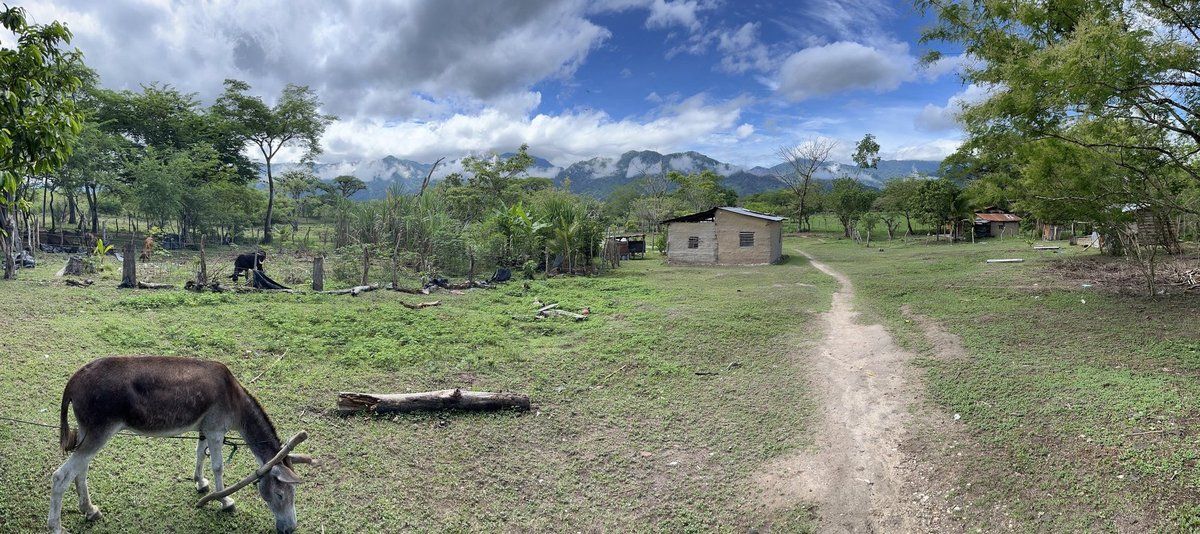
[[997, 217], [709, 213], [752, 213]]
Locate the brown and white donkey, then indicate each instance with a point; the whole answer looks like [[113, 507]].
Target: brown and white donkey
[[166, 396]]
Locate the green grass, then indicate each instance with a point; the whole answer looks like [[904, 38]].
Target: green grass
[[625, 437], [1081, 404]]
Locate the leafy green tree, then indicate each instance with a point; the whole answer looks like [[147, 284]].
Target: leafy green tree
[[902, 195], [867, 222], [866, 152], [486, 184], [296, 183], [701, 191], [849, 199], [294, 120], [940, 203], [348, 185], [38, 116]]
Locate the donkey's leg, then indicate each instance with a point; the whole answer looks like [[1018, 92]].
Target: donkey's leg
[[215, 440], [201, 482], [89, 444], [89, 511]]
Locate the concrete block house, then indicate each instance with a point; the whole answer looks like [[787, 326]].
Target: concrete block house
[[724, 236]]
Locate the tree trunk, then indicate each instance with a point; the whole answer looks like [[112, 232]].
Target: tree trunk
[[129, 266], [447, 399], [202, 275], [266, 237], [318, 277], [71, 208]]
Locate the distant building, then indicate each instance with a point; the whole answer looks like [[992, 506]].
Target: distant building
[[724, 236], [996, 223]]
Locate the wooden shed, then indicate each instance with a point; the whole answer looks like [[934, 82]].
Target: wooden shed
[[996, 223], [725, 236]]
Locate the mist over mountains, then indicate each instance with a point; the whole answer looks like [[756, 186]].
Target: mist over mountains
[[599, 176]]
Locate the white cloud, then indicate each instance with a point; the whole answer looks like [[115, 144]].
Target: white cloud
[[933, 150], [744, 131], [743, 51], [844, 66], [934, 118], [560, 138]]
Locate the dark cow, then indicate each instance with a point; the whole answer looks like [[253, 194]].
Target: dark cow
[[248, 262]]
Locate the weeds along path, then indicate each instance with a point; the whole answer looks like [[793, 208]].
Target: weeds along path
[[855, 474]]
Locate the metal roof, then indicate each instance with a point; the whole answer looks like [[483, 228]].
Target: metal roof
[[710, 213], [997, 217]]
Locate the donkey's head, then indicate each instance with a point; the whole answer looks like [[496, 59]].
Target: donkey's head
[[278, 488]]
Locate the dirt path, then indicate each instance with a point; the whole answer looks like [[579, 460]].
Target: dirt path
[[856, 474]]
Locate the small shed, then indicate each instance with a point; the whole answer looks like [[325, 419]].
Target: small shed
[[725, 236], [996, 223]]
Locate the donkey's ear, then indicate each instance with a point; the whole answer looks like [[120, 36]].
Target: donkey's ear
[[284, 474]]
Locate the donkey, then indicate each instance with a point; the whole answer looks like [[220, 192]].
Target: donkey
[[165, 396]]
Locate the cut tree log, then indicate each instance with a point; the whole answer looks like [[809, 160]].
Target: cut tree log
[[446, 399], [420, 305], [1006, 260], [318, 282], [79, 283], [546, 308], [151, 285], [354, 291], [129, 267]]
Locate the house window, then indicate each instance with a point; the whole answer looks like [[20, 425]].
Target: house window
[[746, 239], [693, 242]]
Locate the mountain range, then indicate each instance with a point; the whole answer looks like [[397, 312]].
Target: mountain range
[[599, 176]]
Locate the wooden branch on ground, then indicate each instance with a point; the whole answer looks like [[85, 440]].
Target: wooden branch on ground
[[79, 283], [410, 291], [152, 285], [420, 305], [546, 308], [1006, 260], [354, 291], [564, 313], [447, 399]]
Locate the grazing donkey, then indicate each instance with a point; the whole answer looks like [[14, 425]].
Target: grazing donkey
[[165, 396]]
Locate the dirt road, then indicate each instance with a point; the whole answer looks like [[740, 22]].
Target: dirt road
[[855, 475]]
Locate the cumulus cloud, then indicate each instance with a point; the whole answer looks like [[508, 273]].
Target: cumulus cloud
[[362, 57], [933, 150], [844, 66], [565, 137], [662, 13], [934, 118]]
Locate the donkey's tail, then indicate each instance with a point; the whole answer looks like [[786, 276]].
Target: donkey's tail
[[68, 438]]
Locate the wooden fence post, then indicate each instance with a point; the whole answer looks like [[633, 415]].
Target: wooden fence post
[[318, 282], [129, 266]]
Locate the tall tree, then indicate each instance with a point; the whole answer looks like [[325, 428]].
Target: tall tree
[[38, 115], [294, 120], [849, 199], [803, 162], [348, 185], [297, 183], [866, 152]]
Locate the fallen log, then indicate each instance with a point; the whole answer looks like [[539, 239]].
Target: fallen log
[[410, 291], [420, 305], [446, 399], [564, 313], [1006, 260], [547, 308], [354, 291], [152, 285], [79, 283]]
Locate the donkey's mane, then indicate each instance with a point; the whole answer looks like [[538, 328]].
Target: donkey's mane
[[263, 413]]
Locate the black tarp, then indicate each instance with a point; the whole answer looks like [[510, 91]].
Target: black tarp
[[262, 281]]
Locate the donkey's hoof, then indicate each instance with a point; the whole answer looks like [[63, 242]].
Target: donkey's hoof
[[93, 514], [227, 505], [202, 487]]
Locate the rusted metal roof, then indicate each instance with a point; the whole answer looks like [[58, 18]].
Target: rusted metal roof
[[707, 215], [997, 217]]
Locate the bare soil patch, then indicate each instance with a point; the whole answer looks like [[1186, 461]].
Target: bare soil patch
[[1179, 273]]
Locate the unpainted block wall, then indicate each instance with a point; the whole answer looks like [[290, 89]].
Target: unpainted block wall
[[677, 243]]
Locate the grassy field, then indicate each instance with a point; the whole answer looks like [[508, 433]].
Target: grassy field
[[1079, 404], [626, 435]]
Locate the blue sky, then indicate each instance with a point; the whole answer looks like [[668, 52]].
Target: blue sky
[[425, 78]]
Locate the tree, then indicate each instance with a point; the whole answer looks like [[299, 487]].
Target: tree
[[803, 162], [866, 153], [701, 191], [867, 222], [901, 195], [296, 183], [348, 185], [849, 199], [38, 115], [294, 120], [940, 203]]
